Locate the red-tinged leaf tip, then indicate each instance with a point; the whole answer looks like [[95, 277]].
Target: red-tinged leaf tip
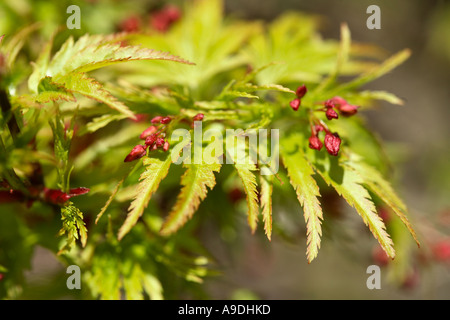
[[315, 143], [147, 132], [137, 152], [332, 143], [295, 104]]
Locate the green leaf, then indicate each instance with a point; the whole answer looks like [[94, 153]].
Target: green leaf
[[383, 189], [73, 225], [51, 91], [194, 181], [266, 182], [156, 170], [349, 185], [342, 58], [380, 95], [62, 142], [91, 52], [301, 174], [377, 71], [249, 181], [15, 44], [82, 84], [110, 199]]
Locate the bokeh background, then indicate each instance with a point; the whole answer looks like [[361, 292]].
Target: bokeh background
[[417, 137]]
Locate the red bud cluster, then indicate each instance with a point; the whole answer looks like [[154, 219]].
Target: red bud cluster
[[154, 138], [300, 92], [332, 141]]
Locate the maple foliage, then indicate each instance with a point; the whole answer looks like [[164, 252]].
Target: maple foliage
[[87, 138]]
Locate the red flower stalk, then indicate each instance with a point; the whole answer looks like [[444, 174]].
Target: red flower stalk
[[332, 143], [150, 130], [295, 104], [318, 128], [58, 197], [137, 152], [315, 143]]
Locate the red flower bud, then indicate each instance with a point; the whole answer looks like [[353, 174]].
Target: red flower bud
[[162, 20], [166, 146], [131, 24], [78, 191], [295, 104], [147, 132], [319, 127], [315, 143], [329, 104], [301, 91], [159, 142], [332, 143], [165, 120], [156, 119], [198, 117], [344, 107], [58, 197], [151, 139], [331, 114], [348, 109], [441, 250], [338, 100], [137, 152], [379, 256]]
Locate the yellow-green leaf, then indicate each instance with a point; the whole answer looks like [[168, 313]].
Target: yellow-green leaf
[[195, 180], [249, 181], [349, 185], [301, 173], [155, 171]]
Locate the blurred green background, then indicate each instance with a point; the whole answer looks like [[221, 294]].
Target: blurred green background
[[417, 136]]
